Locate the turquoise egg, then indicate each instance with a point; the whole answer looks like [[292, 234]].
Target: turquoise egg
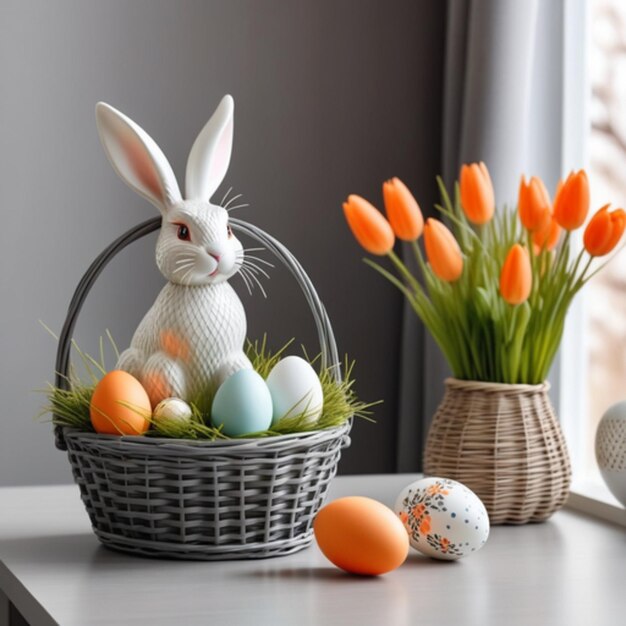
[[242, 404]]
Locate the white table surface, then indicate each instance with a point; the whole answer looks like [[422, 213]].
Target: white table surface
[[570, 570]]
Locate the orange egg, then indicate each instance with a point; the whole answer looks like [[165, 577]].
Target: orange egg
[[361, 536], [120, 405]]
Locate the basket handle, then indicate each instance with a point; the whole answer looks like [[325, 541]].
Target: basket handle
[[328, 346]]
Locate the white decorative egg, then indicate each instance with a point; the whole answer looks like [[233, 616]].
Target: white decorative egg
[[296, 389], [611, 450], [445, 520], [242, 404], [172, 410]]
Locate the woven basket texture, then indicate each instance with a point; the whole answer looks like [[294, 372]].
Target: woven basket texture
[[208, 500], [205, 500], [504, 443]]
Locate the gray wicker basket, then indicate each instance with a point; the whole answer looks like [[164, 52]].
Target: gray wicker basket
[[229, 499]]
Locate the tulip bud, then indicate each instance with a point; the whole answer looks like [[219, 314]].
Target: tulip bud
[[604, 231], [477, 197], [534, 204], [402, 209], [442, 251], [571, 203], [516, 276], [368, 226]]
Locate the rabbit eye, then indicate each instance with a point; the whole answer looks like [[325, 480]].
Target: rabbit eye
[[183, 232], [230, 231]]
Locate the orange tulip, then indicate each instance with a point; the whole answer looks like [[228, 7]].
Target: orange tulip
[[442, 250], [559, 186], [548, 237], [534, 204], [516, 276], [402, 209], [368, 225], [571, 203], [477, 197], [604, 231]]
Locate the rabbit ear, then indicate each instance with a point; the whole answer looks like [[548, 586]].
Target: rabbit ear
[[210, 154], [136, 157]]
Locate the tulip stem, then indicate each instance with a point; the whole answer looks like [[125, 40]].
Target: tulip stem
[[581, 281], [404, 271], [602, 265], [533, 265], [574, 272], [390, 277], [420, 257]]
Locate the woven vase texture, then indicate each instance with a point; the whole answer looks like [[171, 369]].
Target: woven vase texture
[[503, 442]]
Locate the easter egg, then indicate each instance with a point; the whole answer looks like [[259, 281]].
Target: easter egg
[[296, 390], [361, 536], [611, 449], [120, 405], [242, 404], [172, 410], [444, 519]]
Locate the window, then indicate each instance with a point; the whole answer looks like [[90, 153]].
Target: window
[[593, 372], [605, 299]]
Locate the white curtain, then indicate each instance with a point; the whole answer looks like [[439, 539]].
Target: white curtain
[[503, 104]]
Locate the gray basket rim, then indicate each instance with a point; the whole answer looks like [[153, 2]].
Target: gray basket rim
[[277, 443]]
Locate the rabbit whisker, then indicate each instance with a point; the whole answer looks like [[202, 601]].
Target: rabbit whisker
[[226, 196], [248, 259], [253, 249], [183, 267], [239, 206], [245, 274], [255, 268], [259, 260], [232, 200], [186, 275], [245, 281], [252, 276], [257, 281], [185, 259]]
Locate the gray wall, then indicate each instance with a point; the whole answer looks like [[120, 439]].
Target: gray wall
[[331, 97]]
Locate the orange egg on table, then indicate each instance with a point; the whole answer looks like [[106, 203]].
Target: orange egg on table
[[120, 405], [361, 536]]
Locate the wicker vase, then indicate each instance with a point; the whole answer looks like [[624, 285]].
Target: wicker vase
[[505, 443]]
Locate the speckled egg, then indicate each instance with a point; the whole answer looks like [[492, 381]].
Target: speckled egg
[[445, 520], [172, 410], [242, 404]]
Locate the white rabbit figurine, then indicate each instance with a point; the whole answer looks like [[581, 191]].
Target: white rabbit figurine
[[192, 337]]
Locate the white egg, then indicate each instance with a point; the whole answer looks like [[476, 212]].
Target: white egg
[[445, 520], [172, 410], [611, 449], [295, 389]]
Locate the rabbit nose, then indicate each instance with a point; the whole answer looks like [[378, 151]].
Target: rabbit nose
[[217, 262]]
